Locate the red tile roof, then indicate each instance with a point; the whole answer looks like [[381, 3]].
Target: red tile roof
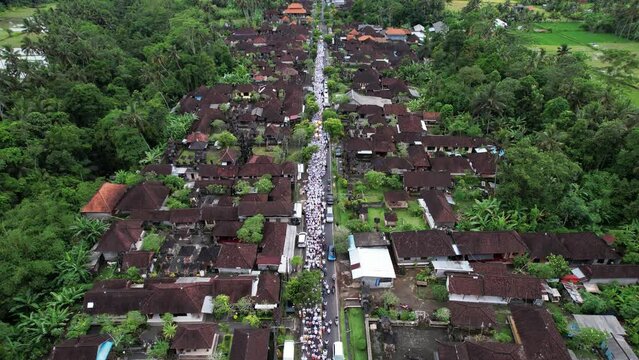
[[396, 31], [120, 236], [105, 199]]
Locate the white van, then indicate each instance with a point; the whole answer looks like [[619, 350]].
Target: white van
[[329, 214], [338, 351], [301, 240]]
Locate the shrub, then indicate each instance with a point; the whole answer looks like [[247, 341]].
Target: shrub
[[152, 242], [440, 293], [503, 336], [360, 343], [442, 314]]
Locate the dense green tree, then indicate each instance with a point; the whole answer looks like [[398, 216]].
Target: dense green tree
[[252, 230], [304, 288], [531, 177]]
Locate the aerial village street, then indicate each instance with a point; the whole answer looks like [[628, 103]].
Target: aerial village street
[[319, 180]]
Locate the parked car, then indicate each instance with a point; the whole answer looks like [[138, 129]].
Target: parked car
[[329, 214], [329, 199], [338, 152], [301, 240], [331, 253]]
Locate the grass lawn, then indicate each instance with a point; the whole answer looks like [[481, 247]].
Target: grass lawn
[[342, 329], [375, 213], [186, 157], [13, 18], [580, 40], [357, 333]]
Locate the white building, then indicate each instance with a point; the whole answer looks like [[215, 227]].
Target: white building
[[372, 266]]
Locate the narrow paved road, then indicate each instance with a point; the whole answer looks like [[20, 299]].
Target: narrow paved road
[[320, 330]]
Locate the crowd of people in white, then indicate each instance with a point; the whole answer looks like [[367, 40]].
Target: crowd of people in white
[[315, 325]]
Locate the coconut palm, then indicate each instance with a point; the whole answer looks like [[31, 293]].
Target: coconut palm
[[563, 50]]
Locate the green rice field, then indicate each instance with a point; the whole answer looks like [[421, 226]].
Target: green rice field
[[550, 35], [12, 18]]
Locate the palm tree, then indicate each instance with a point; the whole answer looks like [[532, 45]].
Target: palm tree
[[563, 50], [489, 102], [89, 230]]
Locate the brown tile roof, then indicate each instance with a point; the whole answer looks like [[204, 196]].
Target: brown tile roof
[[121, 236], [194, 336], [82, 348], [452, 164], [454, 141], [272, 245], [117, 301], [226, 228], [159, 169], [427, 179], [219, 213], [105, 199], [471, 316], [586, 246], [217, 171], [395, 109], [268, 208], [236, 255], [250, 344], [145, 196], [229, 155], [268, 288], [471, 350], [257, 170], [489, 242], [506, 285], [282, 189], [625, 271], [389, 163], [176, 298], [484, 164], [185, 216], [425, 243], [540, 245], [139, 259], [418, 156], [538, 333], [396, 196], [439, 208], [369, 239]]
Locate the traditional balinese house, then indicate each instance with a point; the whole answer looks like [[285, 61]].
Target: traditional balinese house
[[103, 204]]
